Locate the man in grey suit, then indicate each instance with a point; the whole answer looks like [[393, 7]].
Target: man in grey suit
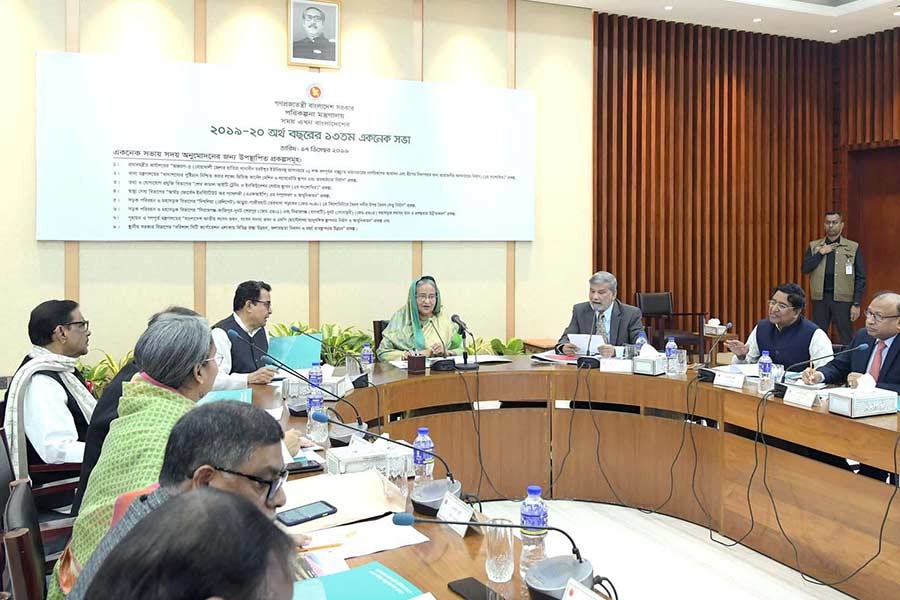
[[617, 322]]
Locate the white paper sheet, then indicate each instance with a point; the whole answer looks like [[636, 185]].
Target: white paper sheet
[[368, 537]]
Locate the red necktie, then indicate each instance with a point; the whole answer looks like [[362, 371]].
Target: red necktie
[[875, 369]]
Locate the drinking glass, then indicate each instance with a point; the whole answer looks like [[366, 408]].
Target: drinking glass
[[629, 351], [681, 362], [500, 562], [777, 373], [291, 391]]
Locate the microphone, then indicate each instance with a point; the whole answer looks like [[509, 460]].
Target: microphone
[[781, 388], [463, 329], [361, 380], [588, 361], [547, 578], [271, 360], [706, 372], [862, 346], [426, 498], [459, 322]]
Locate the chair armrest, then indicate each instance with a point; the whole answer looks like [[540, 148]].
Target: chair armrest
[[56, 468]]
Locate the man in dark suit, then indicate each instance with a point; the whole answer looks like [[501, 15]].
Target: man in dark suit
[[315, 45], [880, 361], [618, 323]]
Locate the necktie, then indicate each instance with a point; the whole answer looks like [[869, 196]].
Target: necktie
[[875, 369], [601, 328]]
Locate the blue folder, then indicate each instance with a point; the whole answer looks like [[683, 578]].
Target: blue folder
[[378, 581], [296, 351], [244, 395]]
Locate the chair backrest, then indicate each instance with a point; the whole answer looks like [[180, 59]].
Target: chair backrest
[[26, 576], [377, 328], [25, 553], [654, 303]]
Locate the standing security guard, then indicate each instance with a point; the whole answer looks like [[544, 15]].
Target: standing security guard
[[838, 282]]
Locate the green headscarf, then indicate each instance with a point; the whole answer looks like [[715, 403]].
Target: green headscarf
[[412, 308]]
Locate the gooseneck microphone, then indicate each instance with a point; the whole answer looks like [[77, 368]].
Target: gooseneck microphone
[[272, 360], [459, 323], [427, 498], [862, 346], [715, 343], [547, 578], [781, 388], [587, 361], [361, 380], [408, 519], [463, 330]]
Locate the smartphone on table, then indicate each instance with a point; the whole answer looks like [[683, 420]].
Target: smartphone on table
[[472, 589], [307, 512]]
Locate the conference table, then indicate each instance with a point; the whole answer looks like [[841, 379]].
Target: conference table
[[613, 438]]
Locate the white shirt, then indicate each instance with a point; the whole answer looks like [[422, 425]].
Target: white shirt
[[884, 351], [226, 380], [49, 425], [819, 345]]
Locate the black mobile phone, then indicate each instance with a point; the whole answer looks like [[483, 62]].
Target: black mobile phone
[[307, 512], [472, 589]]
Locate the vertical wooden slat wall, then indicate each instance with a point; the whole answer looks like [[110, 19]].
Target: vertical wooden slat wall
[[713, 160], [868, 77]]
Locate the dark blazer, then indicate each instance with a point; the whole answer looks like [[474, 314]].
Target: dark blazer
[[856, 362], [624, 323]]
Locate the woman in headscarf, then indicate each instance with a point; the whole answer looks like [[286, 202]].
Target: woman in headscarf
[[420, 326]]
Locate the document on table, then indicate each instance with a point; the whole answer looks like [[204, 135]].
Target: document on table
[[367, 537], [583, 339]]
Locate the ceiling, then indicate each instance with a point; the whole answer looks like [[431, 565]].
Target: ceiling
[[808, 19]]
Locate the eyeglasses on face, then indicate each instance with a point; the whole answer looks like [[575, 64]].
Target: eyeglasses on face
[[273, 484], [82, 324], [779, 305], [219, 358], [878, 318], [268, 303], [424, 297], [312, 17]]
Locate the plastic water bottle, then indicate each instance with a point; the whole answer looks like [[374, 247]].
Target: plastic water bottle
[[639, 342], [424, 463], [315, 402], [367, 358], [533, 520], [671, 357], [766, 382]]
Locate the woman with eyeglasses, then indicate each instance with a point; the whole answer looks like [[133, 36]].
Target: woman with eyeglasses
[[421, 326], [177, 361]]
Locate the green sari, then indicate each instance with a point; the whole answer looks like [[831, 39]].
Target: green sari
[[406, 333]]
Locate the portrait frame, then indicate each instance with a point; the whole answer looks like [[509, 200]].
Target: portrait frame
[[314, 36]]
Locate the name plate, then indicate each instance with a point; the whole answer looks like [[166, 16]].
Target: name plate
[[731, 380], [576, 591], [616, 365], [800, 396], [454, 509]]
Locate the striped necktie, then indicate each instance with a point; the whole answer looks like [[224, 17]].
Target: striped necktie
[[875, 369], [601, 328]]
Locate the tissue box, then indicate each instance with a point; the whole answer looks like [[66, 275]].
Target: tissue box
[[353, 459], [862, 403], [713, 329], [649, 366]]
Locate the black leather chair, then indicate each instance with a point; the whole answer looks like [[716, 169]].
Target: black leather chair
[[657, 307], [378, 328]]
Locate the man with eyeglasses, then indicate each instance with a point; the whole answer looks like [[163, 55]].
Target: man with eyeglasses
[[787, 336], [315, 45], [48, 406], [879, 361], [239, 363], [249, 464], [837, 278]]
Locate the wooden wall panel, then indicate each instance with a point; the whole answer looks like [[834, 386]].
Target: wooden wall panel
[[712, 158], [867, 76]]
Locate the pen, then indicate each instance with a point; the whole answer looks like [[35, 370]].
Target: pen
[[313, 548]]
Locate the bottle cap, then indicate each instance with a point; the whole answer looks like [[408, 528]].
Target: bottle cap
[[765, 352], [671, 338], [534, 490], [423, 431], [367, 345], [316, 363]]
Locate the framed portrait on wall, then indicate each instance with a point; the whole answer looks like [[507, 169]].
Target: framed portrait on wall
[[314, 33]]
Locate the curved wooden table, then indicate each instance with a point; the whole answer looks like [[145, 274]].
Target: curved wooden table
[[832, 515]]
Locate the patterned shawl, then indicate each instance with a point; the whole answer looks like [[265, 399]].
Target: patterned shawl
[[131, 459]]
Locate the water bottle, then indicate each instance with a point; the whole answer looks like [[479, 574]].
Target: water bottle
[[533, 520], [639, 342], [766, 382], [367, 358], [671, 357], [424, 463], [315, 431]]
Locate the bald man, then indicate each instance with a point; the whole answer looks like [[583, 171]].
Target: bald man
[[880, 360]]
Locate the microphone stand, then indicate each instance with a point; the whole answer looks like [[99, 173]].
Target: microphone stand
[[466, 366], [587, 361], [706, 372]]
